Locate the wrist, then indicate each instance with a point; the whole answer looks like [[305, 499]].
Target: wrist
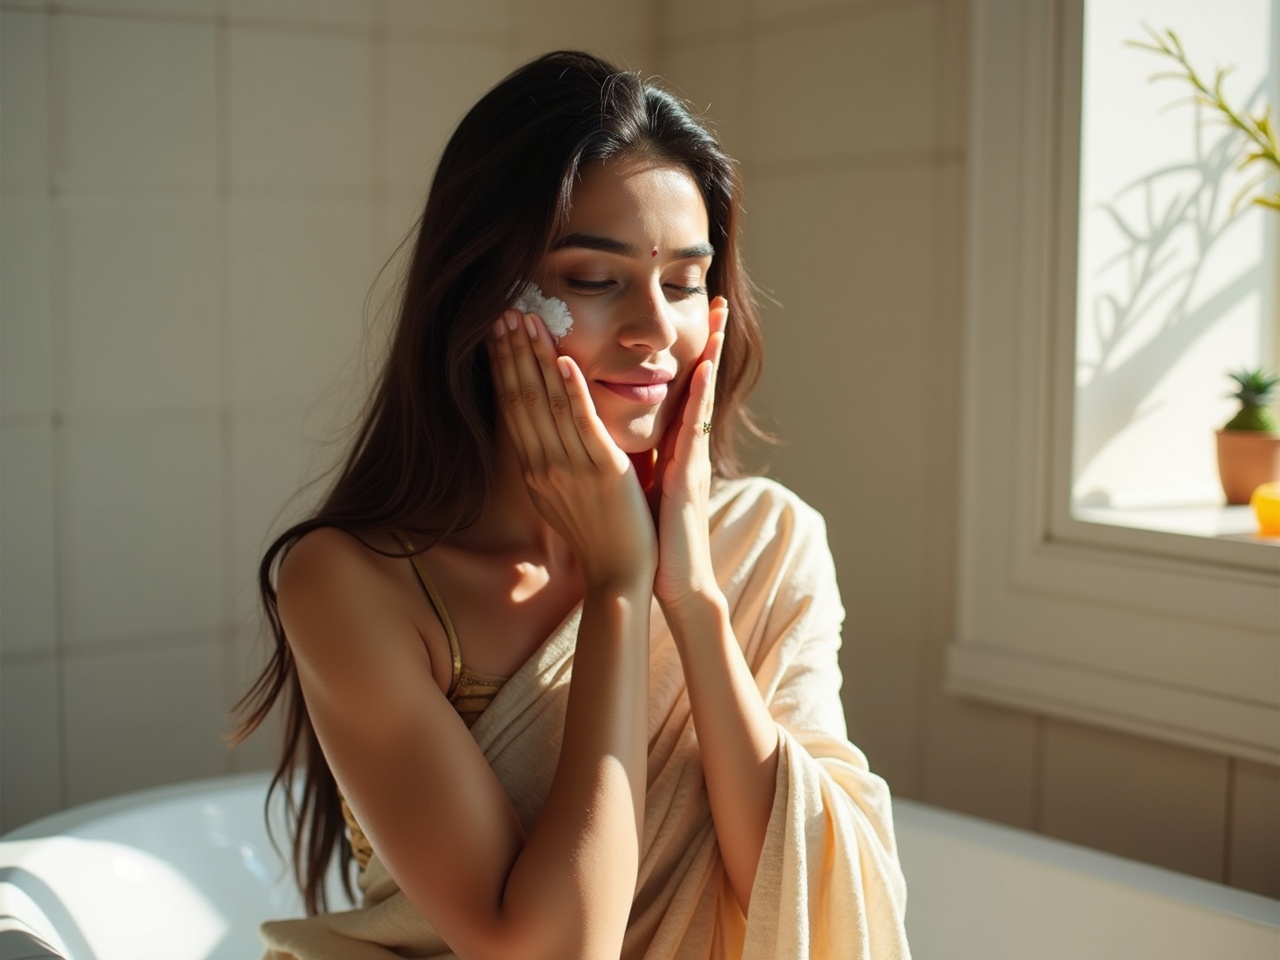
[[697, 614], [623, 585]]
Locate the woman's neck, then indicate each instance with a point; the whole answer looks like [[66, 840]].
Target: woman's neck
[[510, 522]]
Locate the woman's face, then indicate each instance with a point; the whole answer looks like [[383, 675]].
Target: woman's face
[[632, 266]]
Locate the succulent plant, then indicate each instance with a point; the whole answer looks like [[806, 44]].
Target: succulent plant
[[1255, 389]]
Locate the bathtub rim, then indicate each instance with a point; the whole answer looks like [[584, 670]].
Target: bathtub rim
[[915, 815], [54, 824], [1098, 864]]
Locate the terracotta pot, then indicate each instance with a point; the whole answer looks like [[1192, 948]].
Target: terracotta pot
[[1246, 460]]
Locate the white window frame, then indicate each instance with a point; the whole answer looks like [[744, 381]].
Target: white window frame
[[1167, 636]]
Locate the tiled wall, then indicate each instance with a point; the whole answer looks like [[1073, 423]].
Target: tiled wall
[[849, 119], [196, 197]]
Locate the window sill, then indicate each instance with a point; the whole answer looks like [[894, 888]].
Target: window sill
[[1212, 521]]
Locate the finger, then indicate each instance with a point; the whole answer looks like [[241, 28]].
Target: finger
[[507, 384], [718, 317], [719, 323], [557, 391], [543, 443], [695, 423], [702, 393], [511, 396], [586, 423]]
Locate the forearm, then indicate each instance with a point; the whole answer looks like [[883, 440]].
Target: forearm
[[578, 867], [737, 737]]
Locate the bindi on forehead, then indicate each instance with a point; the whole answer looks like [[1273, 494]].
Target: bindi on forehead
[[654, 255]]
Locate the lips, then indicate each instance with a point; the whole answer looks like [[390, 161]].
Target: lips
[[641, 386]]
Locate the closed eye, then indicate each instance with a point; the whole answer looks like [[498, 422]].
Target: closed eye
[[592, 285], [687, 291]]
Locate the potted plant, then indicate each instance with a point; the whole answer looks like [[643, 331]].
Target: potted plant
[[1249, 445]]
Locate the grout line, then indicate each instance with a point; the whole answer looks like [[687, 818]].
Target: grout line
[[222, 108], [57, 445], [929, 157], [1037, 773], [136, 15], [167, 641], [772, 24], [938, 621], [379, 127], [222, 139], [1228, 832], [221, 14]]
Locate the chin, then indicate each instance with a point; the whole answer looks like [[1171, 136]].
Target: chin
[[637, 436]]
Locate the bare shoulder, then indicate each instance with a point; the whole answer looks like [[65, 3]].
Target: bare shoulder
[[324, 557], [335, 594]]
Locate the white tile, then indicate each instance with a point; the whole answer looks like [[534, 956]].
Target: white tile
[[430, 85], [953, 72], [167, 8], [712, 76], [276, 452], [300, 271], [139, 303], [849, 256], [855, 86], [29, 742], [627, 51], [300, 110], [449, 16], [143, 717], [624, 33], [142, 527], [26, 328], [570, 24], [134, 105], [679, 22], [330, 12], [787, 9], [28, 587], [24, 101]]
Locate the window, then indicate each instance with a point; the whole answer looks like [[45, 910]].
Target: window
[[1176, 276], [1163, 635]]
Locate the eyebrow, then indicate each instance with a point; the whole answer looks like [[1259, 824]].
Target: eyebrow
[[594, 241]]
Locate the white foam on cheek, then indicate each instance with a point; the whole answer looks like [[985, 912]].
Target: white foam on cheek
[[553, 311]]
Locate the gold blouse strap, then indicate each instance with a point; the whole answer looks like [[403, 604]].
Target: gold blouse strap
[[437, 602]]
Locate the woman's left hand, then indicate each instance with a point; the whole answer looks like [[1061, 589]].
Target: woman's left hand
[[682, 482]]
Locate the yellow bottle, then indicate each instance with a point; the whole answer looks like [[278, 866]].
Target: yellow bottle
[[1266, 507]]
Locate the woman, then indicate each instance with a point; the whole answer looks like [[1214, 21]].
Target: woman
[[559, 681]]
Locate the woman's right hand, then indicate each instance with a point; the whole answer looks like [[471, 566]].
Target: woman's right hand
[[582, 483]]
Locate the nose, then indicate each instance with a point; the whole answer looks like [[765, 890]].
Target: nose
[[647, 322]]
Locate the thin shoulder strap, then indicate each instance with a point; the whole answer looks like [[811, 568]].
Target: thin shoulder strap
[[433, 595]]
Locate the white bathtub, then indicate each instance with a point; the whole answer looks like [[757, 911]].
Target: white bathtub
[[186, 873]]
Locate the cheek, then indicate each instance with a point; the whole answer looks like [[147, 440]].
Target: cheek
[[694, 326]]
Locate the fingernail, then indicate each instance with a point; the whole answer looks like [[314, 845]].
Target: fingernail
[[532, 326], [563, 364], [499, 328], [512, 319]]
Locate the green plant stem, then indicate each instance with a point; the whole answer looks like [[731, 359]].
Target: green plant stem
[[1257, 129]]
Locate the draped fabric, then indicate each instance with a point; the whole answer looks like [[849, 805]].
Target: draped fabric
[[828, 884]]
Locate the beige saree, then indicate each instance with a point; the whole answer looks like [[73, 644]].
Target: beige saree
[[828, 884]]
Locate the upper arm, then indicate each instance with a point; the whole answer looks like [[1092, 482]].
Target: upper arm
[[415, 779]]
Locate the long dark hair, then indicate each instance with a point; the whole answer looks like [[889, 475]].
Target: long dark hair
[[424, 457]]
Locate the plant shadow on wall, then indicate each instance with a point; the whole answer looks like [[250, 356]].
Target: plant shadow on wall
[[1156, 307]]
